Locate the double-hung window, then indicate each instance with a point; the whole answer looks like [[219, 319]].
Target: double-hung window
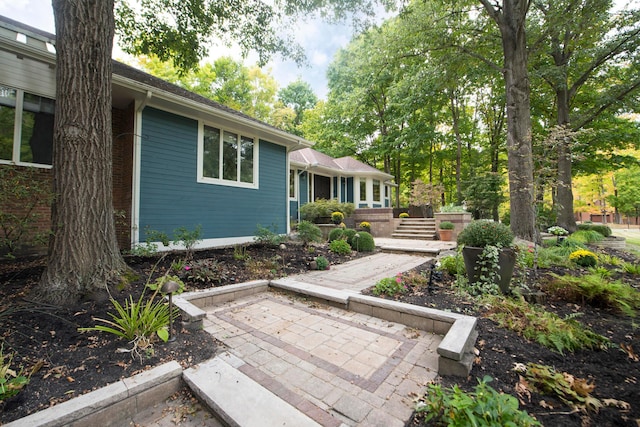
[[26, 128], [227, 157]]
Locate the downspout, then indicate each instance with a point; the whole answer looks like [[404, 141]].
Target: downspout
[[137, 148]]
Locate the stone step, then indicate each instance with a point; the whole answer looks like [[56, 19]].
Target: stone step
[[237, 399]]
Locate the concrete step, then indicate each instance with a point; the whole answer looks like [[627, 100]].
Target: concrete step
[[237, 399]]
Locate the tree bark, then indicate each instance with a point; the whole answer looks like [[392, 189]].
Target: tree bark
[[511, 22], [83, 251]]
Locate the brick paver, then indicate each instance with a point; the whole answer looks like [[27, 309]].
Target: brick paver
[[338, 367]]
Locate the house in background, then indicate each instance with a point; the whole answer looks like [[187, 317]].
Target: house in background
[[179, 159], [314, 175]]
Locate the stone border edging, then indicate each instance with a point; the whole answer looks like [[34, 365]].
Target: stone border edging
[[455, 350], [111, 404]]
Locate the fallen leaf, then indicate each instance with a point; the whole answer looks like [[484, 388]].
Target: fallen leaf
[[630, 353], [582, 387], [616, 403], [545, 405]]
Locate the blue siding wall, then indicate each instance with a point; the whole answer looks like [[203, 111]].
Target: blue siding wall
[[171, 197]]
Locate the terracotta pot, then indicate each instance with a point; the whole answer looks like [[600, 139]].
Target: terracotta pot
[[445, 235], [506, 264]]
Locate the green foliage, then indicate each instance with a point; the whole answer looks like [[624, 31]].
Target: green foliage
[[268, 236], [156, 236], [207, 271], [603, 230], [322, 263], [337, 234], [11, 382], [484, 194], [22, 192], [481, 233], [585, 237], [488, 278], [324, 208], [452, 264], [597, 291], [390, 286], [631, 268], [146, 249], [542, 326], [137, 322], [264, 268], [363, 242], [160, 281], [340, 247], [349, 234], [309, 232], [583, 258], [188, 238], [557, 231], [483, 407], [240, 252], [446, 225], [451, 208]]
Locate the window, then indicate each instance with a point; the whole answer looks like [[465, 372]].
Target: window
[[363, 189], [26, 127], [227, 157], [376, 190], [292, 184]]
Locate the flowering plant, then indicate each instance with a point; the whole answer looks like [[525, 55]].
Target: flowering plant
[[365, 225], [390, 286], [583, 258], [483, 232], [337, 217], [557, 231], [403, 215]]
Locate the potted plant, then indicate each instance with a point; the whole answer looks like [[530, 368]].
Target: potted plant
[[446, 230], [337, 217], [487, 253], [366, 226]]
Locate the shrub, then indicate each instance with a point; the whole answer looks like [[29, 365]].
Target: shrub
[[446, 225], [363, 242], [481, 233], [366, 226], [584, 258], [452, 208], [349, 234], [557, 231], [322, 262], [309, 232], [268, 236], [403, 215], [482, 407], [390, 286], [452, 264], [600, 229], [337, 217], [340, 247], [207, 271], [323, 208], [337, 234], [585, 237], [188, 238]]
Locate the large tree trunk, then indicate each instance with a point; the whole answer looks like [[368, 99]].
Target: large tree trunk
[[83, 251], [511, 21], [564, 193]]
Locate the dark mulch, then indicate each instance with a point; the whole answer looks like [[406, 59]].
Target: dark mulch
[[70, 363]]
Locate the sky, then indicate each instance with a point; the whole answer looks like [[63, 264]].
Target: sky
[[320, 41]]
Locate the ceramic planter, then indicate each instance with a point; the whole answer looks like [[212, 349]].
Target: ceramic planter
[[506, 264], [445, 235]]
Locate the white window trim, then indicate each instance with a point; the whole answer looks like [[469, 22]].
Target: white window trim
[[220, 181], [17, 135], [296, 177], [380, 190]]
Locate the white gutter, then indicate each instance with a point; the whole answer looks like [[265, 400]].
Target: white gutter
[[135, 190]]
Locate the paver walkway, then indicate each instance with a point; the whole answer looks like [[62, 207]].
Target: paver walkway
[[336, 366]]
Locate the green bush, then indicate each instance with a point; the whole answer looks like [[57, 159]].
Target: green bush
[[309, 232], [601, 229], [446, 225], [390, 286], [585, 237], [481, 233], [268, 236], [363, 242], [483, 407], [349, 234], [452, 264], [337, 234], [340, 247], [324, 208], [322, 263]]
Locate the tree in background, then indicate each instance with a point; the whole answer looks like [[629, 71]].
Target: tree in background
[[626, 199], [299, 96]]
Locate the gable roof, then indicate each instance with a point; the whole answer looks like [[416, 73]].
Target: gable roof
[[131, 83], [308, 157]]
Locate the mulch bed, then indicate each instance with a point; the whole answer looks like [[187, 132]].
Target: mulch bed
[[74, 363]]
